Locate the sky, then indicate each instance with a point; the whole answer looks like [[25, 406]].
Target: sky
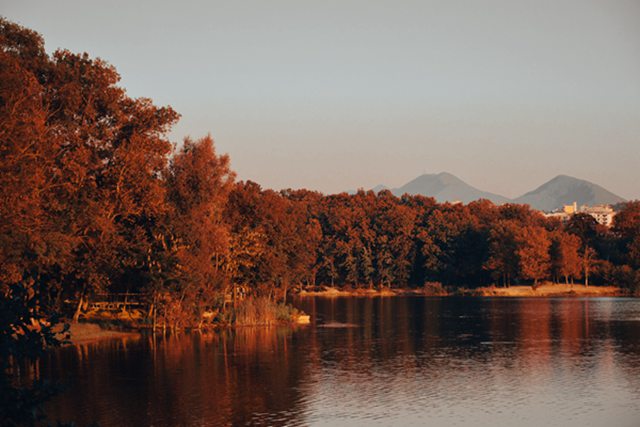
[[335, 95]]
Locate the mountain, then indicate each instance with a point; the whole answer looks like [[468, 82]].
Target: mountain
[[445, 187], [561, 190], [564, 190], [378, 188]]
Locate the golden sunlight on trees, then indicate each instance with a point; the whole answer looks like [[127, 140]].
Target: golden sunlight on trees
[[96, 199]]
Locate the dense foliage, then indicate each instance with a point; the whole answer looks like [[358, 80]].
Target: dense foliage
[[95, 198]]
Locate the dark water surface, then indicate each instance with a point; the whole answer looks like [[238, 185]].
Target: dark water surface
[[390, 361]]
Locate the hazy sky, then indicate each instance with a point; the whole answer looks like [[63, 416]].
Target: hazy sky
[[334, 95]]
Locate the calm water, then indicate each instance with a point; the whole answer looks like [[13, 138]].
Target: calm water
[[404, 361]]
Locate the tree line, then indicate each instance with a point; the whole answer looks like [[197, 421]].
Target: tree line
[[95, 198]]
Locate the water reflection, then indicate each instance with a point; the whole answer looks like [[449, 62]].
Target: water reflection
[[409, 361]]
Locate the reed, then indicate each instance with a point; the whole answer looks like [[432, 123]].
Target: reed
[[262, 311]]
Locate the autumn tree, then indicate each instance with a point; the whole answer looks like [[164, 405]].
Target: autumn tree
[[198, 184], [565, 256], [533, 253], [587, 229], [503, 261], [86, 159], [454, 244], [386, 240], [588, 256], [626, 226]]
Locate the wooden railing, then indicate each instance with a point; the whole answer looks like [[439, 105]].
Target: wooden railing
[[113, 302]]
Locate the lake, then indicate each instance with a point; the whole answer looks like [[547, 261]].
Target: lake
[[399, 361]]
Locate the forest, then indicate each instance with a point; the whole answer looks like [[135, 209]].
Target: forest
[[95, 199]]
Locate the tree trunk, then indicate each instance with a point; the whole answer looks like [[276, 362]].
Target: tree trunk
[[285, 285], [152, 313], [586, 277], [76, 315], [155, 318]]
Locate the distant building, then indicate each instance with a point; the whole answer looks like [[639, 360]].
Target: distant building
[[570, 209], [603, 214], [562, 216]]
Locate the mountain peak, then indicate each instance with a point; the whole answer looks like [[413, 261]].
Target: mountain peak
[[448, 178], [564, 190], [446, 187], [378, 188], [563, 177]]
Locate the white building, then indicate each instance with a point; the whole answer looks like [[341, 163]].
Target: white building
[[603, 214], [562, 216]]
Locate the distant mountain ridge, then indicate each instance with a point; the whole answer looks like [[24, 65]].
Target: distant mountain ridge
[[445, 187], [563, 190], [559, 191]]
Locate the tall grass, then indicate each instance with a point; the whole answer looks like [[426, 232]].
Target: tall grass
[[262, 311]]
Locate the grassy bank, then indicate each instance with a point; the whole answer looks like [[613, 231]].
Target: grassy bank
[[85, 333], [101, 324], [544, 290], [429, 290]]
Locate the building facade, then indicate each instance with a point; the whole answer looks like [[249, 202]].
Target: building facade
[[603, 214]]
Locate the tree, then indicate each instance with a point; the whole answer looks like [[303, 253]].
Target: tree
[[626, 226], [626, 223], [393, 225], [34, 254], [588, 256], [565, 258], [503, 259], [198, 184], [440, 231], [533, 253], [586, 228]]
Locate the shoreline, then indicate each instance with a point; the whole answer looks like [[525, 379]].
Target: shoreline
[[547, 291], [88, 333], [543, 291], [92, 332], [384, 292]]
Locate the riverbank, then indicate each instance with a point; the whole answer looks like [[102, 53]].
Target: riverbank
[[544, 290], [88, 332], [94, 331], [102, 324], [383, 292], [547, 290], [85, 333]]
